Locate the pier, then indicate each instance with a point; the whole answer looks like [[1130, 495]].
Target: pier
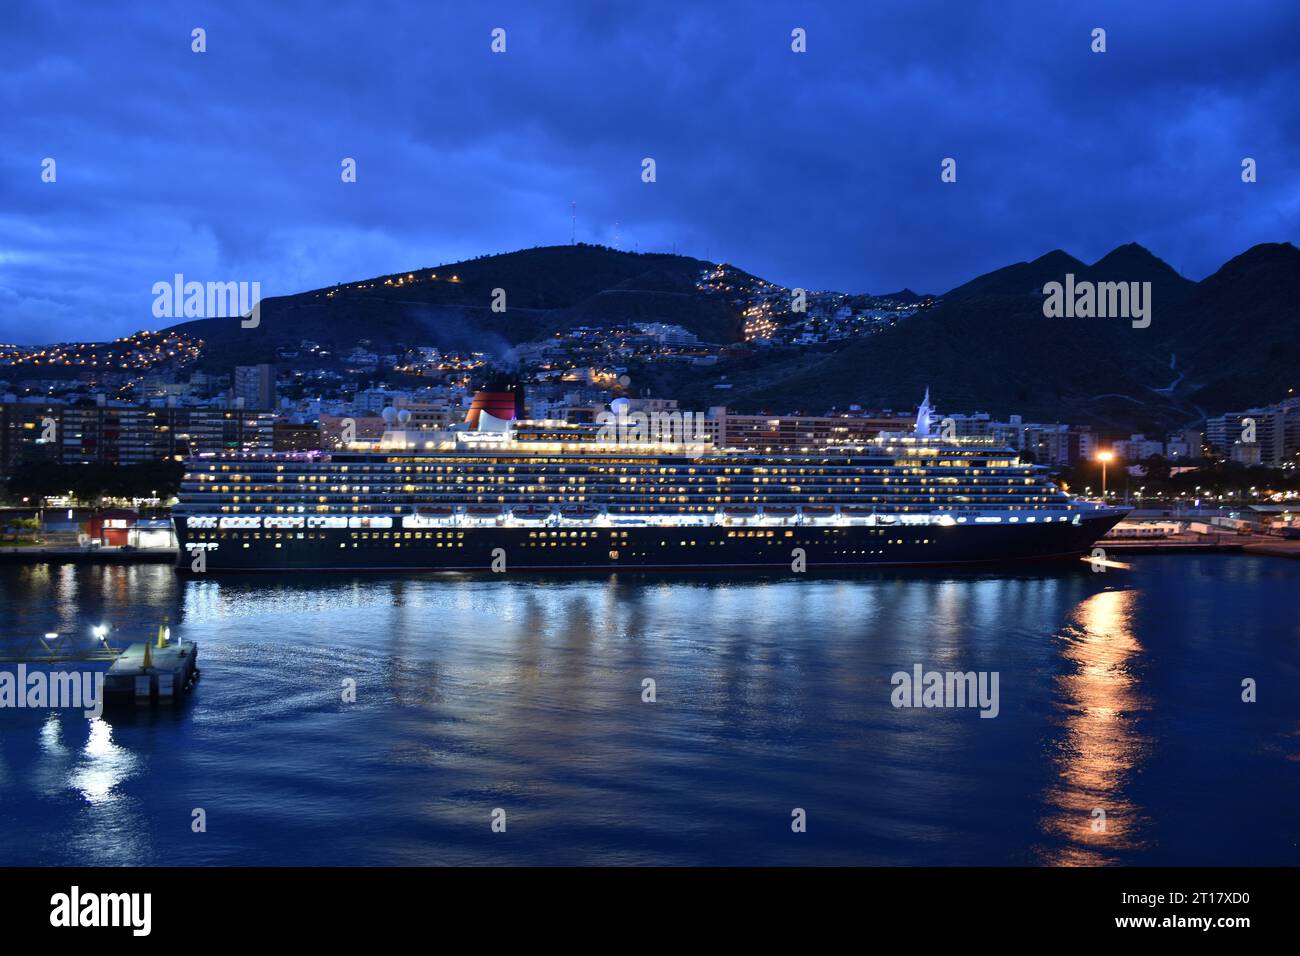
[[1175, 544], [54, 648], [74, 555], [161, 671], [1275, 547], [1269, 545]]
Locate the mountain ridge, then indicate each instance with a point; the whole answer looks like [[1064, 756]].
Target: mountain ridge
[[1099, 371]]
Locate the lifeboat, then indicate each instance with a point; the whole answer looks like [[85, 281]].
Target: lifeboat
[[818, 511], [857, 511], [740, 511], [436, 511], [531, 513], [579, 512], [483, 511], [780, 511]]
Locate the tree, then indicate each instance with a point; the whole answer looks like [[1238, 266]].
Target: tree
[[92, 483], [1157, 469]]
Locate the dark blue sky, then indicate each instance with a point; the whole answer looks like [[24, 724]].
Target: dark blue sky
[[817, 169]]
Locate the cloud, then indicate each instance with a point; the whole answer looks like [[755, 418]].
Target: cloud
[[817, 169]]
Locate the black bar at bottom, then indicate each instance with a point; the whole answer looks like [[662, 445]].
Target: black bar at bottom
[[333, 905]]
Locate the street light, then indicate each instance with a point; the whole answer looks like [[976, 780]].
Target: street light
[[1105, 457]]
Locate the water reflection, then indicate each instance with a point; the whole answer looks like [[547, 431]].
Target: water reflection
[[1100, 700], [104, 765], [476, 692]]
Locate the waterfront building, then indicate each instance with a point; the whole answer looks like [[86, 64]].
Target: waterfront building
[[125, 434]]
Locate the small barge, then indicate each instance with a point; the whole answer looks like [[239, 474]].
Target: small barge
[[160, 671]]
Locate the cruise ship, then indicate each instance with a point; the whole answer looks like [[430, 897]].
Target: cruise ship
[[499, 493]]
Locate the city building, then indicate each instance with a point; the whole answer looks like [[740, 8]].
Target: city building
[[337, 430], [1137, 448], [125, 434], [1269, 435], [1055, 444], [290, 436], [255, 386], [429, 416], [796, 431], [29, 431], [1183, 445]]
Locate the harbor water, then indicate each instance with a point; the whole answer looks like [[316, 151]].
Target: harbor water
[[369, 720]]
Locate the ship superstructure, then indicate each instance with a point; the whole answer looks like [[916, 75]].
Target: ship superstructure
[[556, 495]]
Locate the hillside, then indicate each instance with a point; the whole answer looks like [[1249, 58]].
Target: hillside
[[1238, 333], [1221, 344], [1224, 343], [547, 289]]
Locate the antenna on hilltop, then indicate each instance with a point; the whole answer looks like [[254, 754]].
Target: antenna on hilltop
[[573, 234]]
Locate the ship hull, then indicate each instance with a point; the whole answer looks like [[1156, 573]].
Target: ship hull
[[638, 547]]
